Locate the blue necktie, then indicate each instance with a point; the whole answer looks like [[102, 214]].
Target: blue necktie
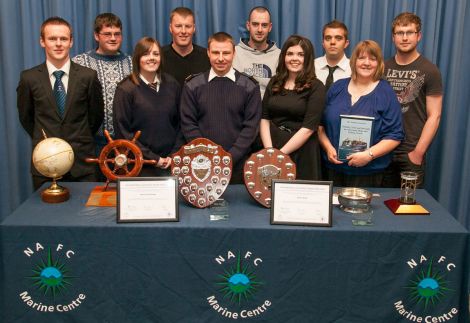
[[59, 92]]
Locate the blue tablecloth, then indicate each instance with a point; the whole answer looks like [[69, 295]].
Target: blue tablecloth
[[71, 263]]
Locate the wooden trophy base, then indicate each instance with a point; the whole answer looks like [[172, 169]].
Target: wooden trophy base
[[55, 194], [399, 208], [102, 196]]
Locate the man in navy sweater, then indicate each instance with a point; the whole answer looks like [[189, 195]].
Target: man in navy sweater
[[222, 104]]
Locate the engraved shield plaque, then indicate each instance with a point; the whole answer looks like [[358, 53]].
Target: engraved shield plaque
[[261, 168], [203, 169]]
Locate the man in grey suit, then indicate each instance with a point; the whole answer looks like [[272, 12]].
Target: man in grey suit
[[62, 98]]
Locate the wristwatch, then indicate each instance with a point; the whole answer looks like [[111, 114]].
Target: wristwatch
[[370, 153]]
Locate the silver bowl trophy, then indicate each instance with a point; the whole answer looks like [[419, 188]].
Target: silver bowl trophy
[[203, 169], [53, 157], [264, 166], [406, 203], [357, 202]]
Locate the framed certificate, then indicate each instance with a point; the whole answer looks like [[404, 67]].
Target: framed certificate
[[355, 135], [147, 199], [301, 202]]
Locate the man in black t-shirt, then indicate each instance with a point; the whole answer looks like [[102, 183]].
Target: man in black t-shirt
[[182, 57], [418, 85]]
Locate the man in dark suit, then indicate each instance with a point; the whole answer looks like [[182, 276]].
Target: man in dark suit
[[62, 98]]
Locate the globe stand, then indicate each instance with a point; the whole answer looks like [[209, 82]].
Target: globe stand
[[53, 157], [55, 193]]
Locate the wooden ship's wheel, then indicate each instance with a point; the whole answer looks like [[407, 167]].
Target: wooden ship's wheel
[[120, 158]]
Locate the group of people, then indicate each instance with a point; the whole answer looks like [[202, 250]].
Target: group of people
[[243, 96]]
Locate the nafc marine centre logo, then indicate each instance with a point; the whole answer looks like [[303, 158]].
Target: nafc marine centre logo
[[238, 284], [428, 288], [50, 279]]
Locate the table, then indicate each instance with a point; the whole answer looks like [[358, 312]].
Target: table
[[71, 263]]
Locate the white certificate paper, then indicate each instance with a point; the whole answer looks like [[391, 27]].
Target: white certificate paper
[[147, 200], [302, 203]]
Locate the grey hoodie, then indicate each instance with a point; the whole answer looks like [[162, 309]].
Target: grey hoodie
[[259, 64]]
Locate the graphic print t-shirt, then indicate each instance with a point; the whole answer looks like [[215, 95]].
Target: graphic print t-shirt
[[412, 83]]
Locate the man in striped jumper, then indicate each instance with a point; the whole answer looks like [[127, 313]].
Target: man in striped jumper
[[222, 104], [111, 65]]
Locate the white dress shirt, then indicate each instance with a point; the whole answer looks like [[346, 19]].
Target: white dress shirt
[[321, 69], [65, 78], [230, 74]]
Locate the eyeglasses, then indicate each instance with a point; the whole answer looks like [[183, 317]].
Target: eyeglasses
[[403, 33], [109, 35]]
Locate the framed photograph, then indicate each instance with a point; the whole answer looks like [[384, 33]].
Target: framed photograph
[[301, 202], [147, 199], [355, 135]]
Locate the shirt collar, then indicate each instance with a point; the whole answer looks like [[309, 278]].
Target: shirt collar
[[342, 64], [230, 75], [155, 80], [51, 68]]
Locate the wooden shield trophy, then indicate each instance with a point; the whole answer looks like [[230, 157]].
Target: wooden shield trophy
[[264, 166], [203, 169]]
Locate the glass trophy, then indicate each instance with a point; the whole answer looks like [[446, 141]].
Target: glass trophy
[[406, 204], [219, 210]]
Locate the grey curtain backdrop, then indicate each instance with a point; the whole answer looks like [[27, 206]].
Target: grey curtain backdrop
[[446, 42]]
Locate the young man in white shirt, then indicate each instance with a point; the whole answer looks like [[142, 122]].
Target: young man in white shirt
[[334, 65]]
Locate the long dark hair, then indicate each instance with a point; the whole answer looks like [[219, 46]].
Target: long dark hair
[[141, 48], [305, 78]]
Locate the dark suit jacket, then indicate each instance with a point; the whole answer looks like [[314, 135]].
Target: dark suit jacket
[[83, 114]]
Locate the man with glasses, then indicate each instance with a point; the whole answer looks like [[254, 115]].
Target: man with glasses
[[182, 57], [257, 56], [418, 85], [111, 65], [334, 65]]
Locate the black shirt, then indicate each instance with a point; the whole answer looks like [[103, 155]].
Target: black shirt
[[180, 67]]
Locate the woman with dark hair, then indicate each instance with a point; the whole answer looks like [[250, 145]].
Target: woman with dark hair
[[292, 107], [364, 94], [148, 100]]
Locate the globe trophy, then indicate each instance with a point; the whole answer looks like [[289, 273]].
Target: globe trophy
[[264, 166], [53, 157]]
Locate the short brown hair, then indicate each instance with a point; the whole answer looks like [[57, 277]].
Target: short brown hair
[[372, 48], [183, 12], [405, 19], [55, 21], [259, 9], [107, 19], [221, 37], [335, 24], [141, 48]]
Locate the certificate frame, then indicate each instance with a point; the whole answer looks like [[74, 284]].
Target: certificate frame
[[144, 188], [286, 191]]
